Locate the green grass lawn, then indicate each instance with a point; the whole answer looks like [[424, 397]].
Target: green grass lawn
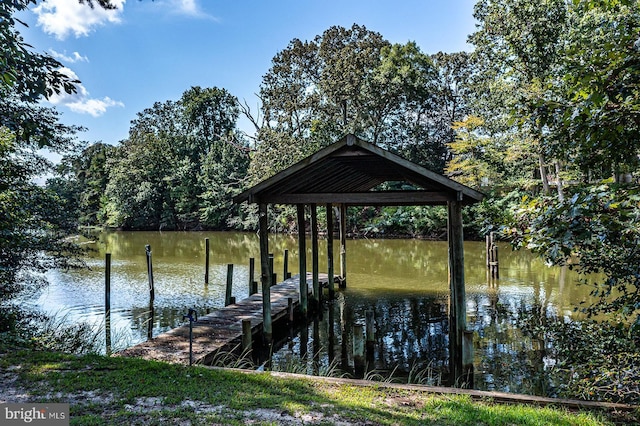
[[109, 391]]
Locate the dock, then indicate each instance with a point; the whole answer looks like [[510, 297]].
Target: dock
[[222, 328]]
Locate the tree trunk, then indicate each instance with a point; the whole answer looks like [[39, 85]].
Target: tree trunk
[[543, 174], [559, 182]]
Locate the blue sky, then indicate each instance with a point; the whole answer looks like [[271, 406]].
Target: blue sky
[[148, 51]]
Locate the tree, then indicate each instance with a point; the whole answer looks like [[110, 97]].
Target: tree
[[349, 81], [591, 108], [33, 222], [180, 165], [517, 45], [596, 230], [81, 182]]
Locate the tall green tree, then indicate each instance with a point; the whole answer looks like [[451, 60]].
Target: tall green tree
[[517, 48], [591, 109], [33, 222], [180, 166], [349, 80]]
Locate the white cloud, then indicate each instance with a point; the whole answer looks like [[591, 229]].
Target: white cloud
[[189, 8], [64, 17], [74, 57], [95, 107], [80, 101]]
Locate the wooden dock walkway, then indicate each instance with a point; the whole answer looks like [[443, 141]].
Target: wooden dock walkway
[[222, 328]]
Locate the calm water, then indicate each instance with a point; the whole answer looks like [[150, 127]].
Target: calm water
[[403, 281]]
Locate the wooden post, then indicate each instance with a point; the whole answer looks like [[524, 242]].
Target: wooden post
[[246, 335], [487, 243], [457, 299], [265, 276], [274, 279], [358, 350], [152, 295], [253, 286], [290, 308], [227, 297], [370, 335], [285, 270], [492, 256], [332, 334], [370, 329], [467, 358], [330, 250], [107, 302], [206, 261], [302, 260], [343, 246], [150, 321], [314, 254]]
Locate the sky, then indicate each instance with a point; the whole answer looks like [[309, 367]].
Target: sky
[[149, 51]]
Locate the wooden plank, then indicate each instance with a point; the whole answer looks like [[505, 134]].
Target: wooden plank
[[475, 394], [221, 329]]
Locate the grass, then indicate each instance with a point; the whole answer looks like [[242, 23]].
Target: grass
[[112, 390]]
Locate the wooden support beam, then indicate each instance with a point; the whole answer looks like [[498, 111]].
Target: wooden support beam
[[302, 259], [457, 299], [330, 250], [265, 276], [369, 198], [314, 254]]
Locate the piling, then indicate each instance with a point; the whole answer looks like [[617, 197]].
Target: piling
[[150, 321], [274, 277], [247, 342], [329, 209], [107, 302], [358, 350], [285, 273], [227, 298], [314, 254], [253, 285], [266, 274], [492, 256], [150, 273], [290, 309], [206, 261], [302, 259], [343, 246], [467, 358], [370, 329]]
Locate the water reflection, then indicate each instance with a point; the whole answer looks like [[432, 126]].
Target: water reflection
[[404, 282]]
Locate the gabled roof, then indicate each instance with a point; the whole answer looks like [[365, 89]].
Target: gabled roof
[[350, 171]]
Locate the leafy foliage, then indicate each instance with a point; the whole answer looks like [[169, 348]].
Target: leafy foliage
[[33, 223], [354, 81], [596, 230], [180, 166]]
